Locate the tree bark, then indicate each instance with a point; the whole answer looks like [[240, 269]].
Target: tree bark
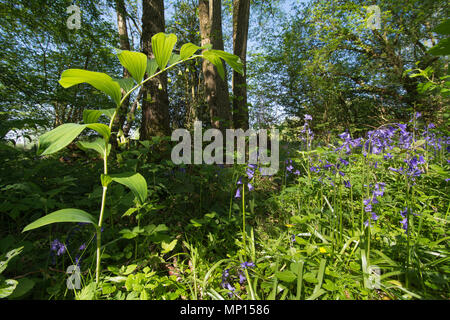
[[216, 89], [241, 15], [124, 45], [155, 105]]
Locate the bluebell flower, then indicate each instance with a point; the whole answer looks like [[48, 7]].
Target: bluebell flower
[[58, 247], [245, 265], [241, 278]]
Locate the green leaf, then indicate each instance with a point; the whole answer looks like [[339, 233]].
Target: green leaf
[[96, 145], [286, 275], [162, 45], [11, 254], [443, 28], [88, 292], [167, 247], [187, 50], [64, 215], [174, 58], [152, 66], [135, 181], [23, 287], [216, 61], [134, 62], [105, 180], [233, 60], [98, 80], [441, 49], [101, 128], [92, 116], [56, 139], [7, 287], [125, 83]]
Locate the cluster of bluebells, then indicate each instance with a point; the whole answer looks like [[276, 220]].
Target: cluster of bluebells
[[227, 279], [290, 168], [348, 143], [306, 133], [382, 139], [378, 191], [250, 171], [412, 169], [58, 248], [404, 215], [334, 168]]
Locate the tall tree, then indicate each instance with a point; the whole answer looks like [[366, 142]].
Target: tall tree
[[124, 45], [155, 105], [241, 15], [216, 88]]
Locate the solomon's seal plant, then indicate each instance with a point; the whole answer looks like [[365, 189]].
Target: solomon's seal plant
[[138, 65]]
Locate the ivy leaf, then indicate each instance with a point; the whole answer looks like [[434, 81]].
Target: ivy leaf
[[100, 81], [162, 45], [64, 215]]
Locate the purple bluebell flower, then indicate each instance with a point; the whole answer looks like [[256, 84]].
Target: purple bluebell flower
[[250, 187], [246, 264], [241, 278], [347, 184], [238, 193], [308, 117], [82, 247], [58, 247]]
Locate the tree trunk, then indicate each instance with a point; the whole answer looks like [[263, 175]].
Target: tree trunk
[[155, 105], [216, 89], [124, 45], [241, 15]]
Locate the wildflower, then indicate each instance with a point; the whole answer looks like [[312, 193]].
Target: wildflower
[[368, 208], [387, 156], [245, 265], [82, 247], [308, 117], [344, 162], [58, 247], [404, 223], [322, 250], [241, 278], [250, 187], [347, 184], [238, 193]]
